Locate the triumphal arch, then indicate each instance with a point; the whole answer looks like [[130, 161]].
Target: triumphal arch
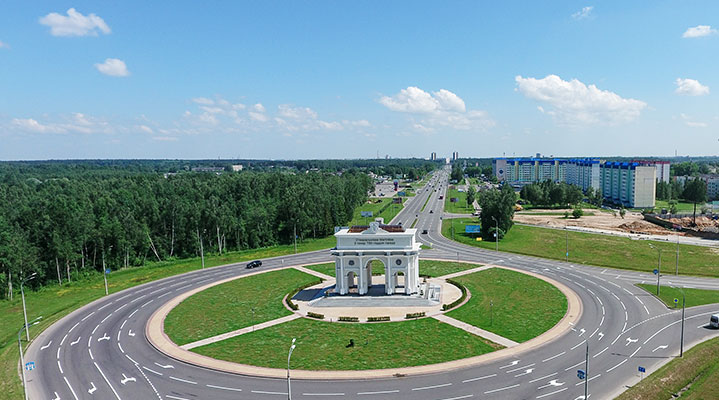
[[393, 245]]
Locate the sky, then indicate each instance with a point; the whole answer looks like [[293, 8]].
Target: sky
[[340, 79]]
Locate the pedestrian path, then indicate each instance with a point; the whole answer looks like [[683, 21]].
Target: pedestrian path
[[239, 332], [313, 272], [466, 272], [475, 331]]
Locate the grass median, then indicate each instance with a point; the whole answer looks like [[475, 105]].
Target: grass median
[[593, 249], [695, 377], [54, 302], [324, 345], [458, 207], [383, 208], [694, 297], [511, 304], [233, 305]]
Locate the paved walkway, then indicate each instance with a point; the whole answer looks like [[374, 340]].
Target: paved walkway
[[239, 332], [475, 331], [465, 272], [315, 273]]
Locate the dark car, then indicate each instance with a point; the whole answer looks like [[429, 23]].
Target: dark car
[[254, 264], [424, 232], [431, 212]]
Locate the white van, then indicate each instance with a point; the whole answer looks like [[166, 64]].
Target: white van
[[714, 321]]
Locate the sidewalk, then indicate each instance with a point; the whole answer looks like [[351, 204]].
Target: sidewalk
[[475, 331], [239, 332]]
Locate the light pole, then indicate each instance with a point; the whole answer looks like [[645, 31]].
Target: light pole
[[676, 271], [496, 234], [491, 312], [289, 388], [104, 269], [681, 340], [659, 264], [586, 372], [22, 294], [566, 240], [22, 358]]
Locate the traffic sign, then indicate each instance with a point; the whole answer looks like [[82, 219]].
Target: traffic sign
[[656, 271], [107, 271], [581, 374], [567, 254], [29, 366], [641, 369], [676, 300]]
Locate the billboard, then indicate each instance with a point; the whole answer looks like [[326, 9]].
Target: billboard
[[453, 200], [397, 200], [472, 229], [366, 214]]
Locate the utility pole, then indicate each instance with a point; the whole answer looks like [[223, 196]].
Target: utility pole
[[566, 239], [659, 269], [289, 388], [681, 344], [22, 294], [676, 271], [294, 232], [22, 357], [496, 234], [104, 271], [586, 370]]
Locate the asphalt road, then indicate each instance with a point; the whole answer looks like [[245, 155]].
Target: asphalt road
[[100, 351]]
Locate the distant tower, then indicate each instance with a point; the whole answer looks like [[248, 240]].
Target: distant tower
[[455, 155], [433, 156]]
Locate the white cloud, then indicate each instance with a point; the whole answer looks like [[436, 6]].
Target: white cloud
[[583, 13], [690, 87], [113, 67], [145, 128], [692, 124], [165, 138], [699, 31], [32, 125], [204, 101], [574, 102], [4, 45], [438, 109], [74, 24], [259, 107], [258, 116], [287, 111]]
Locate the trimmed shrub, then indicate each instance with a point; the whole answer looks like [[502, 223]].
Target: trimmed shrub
[[414, 315], [292, 294], [377, 319], [348, 319], [315, 315], [459, 301]]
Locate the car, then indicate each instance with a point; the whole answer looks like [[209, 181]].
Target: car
[[253, 264], [424, 231], [714, 321]]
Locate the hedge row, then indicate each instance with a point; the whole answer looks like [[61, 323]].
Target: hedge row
[[315, 315], [348, 319], [292, 294], [459, 301], [377, 319], [414, 315]]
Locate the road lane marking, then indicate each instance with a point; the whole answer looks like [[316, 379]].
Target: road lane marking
[[266, 392], [222, 387], [106, 380], [588, 380], [551, 393], [513, 363], [75, 342], [168, 366], [175, 397], [544, 377], [479, 378], [596, 355], [433, 386], [616, 366], [46, 346], [520, 368], [183, 380], [466, 396], [92, 389], [151, 370], [662, 347], [378, 392], [71, 389], [323, 394], [500, 389]]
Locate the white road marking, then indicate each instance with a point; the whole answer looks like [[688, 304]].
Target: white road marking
[[527, 372], [265, 392], [123, 324], [103, 306], [71, 389], [479, 378], [222, 387], [104, 337], [60, 367], [126, 379], [121, 307], [544, 377], [91, 357], [168, 366], [553, 382], [73, 327], [92, 389], [574, 366], [87, 316], [133, 313], [553, 357], [105, 319], [616, 366], [378, 392], [106, 380], [175, 397], [120, 346], [46, 346], [635, 352], [58, 353], [130, 333], [630, 341], [500, 389], [57, 396], [520, 368], [466, 396], [153, 371], [596, 355], [551, 393], [513, 363], [578, 344], [75, 342], [63, 339], [321, 394], [660, 347], [93, 331], [183, 380], [581, 332], [433, 386], [589, 380]]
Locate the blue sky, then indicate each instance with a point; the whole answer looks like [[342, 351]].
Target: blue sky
[[331, 79]]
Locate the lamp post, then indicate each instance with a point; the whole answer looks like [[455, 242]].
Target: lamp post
[[22, 357], [22, 294], [566, 240], [586, 371], [681, 339], [676, 271], [496, 234], [289, 388], [659, 264]]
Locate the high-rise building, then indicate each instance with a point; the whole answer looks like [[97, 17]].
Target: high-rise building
[[433, 156], [661, 166], [455, 155]]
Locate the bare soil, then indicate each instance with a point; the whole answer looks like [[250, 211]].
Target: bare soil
[[632, 221]]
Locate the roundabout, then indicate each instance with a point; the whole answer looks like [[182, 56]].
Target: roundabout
[[104, 345]]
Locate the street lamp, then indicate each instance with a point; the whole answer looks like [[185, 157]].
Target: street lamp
[[22, 294], [566, 240], [289, 390], [496, 234], [22, 358], [681, 340], [659, 264]]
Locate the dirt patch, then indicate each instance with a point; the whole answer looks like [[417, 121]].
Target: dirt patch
[[632, 222]]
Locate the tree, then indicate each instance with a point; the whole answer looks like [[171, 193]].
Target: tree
[[577, 212], [673, 206], [471, 195], [556, 194], [695, 190], [573, 194], [497, 210], [622, 212]]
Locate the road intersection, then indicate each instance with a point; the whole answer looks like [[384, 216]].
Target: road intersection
[[100, 351]]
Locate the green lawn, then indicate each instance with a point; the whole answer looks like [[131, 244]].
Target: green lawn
[[694, 297], [595, 249], [229, 306], [523, 306], [322, 345], [426, 267], [682, 206], [460, 207], [376, 205], [54, 302], [698, 370]]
